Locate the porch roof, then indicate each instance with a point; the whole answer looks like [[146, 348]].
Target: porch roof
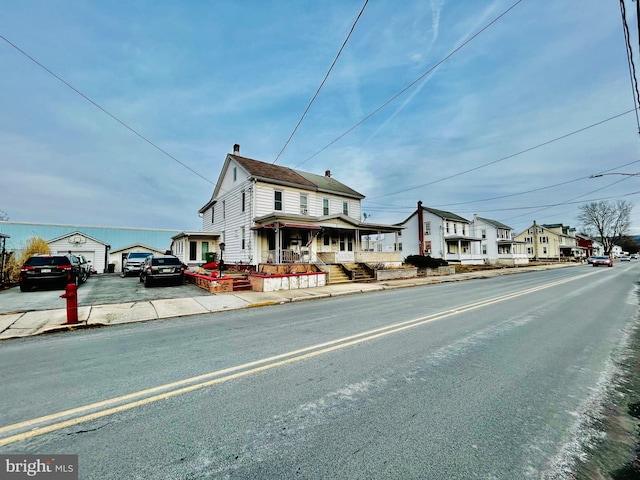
[[461, 237], [327, 222]]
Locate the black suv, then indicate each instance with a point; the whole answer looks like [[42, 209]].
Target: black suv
[[156, 268], [58, 270]]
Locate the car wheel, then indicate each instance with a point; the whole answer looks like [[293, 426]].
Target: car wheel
[[24, 287], [147, 282]]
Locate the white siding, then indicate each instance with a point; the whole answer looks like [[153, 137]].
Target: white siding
[[94, 251]]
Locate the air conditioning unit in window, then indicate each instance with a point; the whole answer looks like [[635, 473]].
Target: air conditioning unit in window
[[303, 211]]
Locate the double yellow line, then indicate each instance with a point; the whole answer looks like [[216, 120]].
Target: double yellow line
[[49, 423]]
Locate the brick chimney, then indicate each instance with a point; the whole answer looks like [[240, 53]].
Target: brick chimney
[[327, 173]]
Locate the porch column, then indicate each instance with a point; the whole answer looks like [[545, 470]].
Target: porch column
[[278, 244]]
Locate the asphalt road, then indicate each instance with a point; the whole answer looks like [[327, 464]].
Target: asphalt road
[[97, 290], [495, 378]]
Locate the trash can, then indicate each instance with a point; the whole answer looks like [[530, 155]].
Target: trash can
[[211, 256], [111, 267]]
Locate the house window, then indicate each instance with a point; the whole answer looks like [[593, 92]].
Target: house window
[[544, 240], [544, 250], [399, 247], [325, 206], [345, 208], [242, 237], [427, 228], [205, 250], [277, 200], [304, 204], [193, 251], [528, 239], [529, 251], [455, 228], [447, 227], [484, 248], [484, 234], [463, 230], [235, 173], [327, 239], [244, 198]]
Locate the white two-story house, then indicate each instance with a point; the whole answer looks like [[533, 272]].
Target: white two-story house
[[270, 214], [497, 243], [436, 233]]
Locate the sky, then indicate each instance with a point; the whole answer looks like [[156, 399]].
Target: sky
[[120, 113]]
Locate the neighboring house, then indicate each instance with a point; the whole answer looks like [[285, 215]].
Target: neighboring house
[[265, 213], [116, 257], [79, 243], [589, 245], [497, 245], [192, 248], [437, 233], [551, 242], [616, 251]]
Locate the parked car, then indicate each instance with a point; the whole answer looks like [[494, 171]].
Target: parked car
[[47, 270], [133, 261], [157, 268], [634, 256], [625, 258], [85, 266], [590, 259], [602, 260]]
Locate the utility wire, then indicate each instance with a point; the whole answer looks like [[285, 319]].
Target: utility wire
[[453, 52], [509, 156], [534, 190], [632, 68], [105, 111], [323, 81]]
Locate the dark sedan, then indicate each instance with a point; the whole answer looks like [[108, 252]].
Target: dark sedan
[[158, 268], [47, 270]]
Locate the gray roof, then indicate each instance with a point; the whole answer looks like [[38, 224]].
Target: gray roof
[[495, 223]]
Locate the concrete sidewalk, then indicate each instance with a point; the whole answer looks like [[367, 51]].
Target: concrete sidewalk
[[23, 324]]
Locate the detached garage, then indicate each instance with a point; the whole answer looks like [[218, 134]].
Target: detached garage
[[79, 243]]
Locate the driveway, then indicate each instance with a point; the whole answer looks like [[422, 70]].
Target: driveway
[[97, 290]]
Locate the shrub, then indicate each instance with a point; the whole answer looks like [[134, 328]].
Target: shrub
[[34, 245], [422, 261]]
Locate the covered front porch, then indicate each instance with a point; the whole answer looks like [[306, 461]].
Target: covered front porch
[[460, 250], [512, 253], [327, 240]]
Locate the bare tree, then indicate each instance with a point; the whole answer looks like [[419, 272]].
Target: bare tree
[[608, 221], [4, 216]]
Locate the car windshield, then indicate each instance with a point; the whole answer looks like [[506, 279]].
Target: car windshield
[[44, 261], [165, 261], [139, 255]]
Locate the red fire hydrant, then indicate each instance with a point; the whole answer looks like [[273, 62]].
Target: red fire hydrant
[[71, 294]]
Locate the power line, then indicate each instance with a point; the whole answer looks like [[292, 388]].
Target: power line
[[105, 111], [534, 190], [526, 150], [453, 52], [632, 68], [323, 81]]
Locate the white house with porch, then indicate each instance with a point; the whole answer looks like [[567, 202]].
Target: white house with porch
[[437, 233], [270, 214], [497, 245]]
